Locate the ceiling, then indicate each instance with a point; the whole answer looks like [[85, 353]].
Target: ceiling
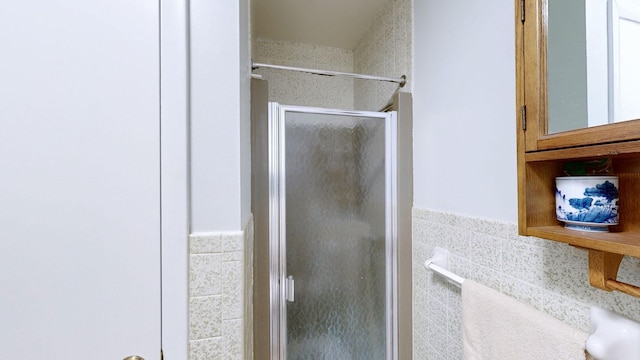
[[337, 23]]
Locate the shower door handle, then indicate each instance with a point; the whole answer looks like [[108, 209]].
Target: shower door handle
[[289, 288]]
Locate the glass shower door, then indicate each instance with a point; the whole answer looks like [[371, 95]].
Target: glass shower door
[[337, 235]]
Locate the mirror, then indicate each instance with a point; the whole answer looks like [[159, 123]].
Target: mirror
[[593, 63]]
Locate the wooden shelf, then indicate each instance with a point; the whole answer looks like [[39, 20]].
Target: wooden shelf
[[624, 243], [543, 156], [606, 251]]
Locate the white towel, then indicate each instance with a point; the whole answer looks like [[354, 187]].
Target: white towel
[[498, 327]]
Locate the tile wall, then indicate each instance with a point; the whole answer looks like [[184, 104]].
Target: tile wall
[[248, 290], [548, 275], [219, 280], [297, 88], [385, 50]]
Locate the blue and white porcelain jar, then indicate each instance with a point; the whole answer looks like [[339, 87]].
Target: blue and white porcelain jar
[[587, 203]]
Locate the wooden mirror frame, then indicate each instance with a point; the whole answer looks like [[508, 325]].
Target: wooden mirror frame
[[541, 157], [531, 63]]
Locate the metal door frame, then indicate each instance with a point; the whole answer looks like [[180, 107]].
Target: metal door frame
[[277, 219]]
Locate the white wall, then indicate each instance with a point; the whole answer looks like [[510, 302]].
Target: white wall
[[219, 115], [220, 179], [464, 108], [626, 56], [597, 62]]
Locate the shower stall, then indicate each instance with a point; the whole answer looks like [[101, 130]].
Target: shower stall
[[325, 202], [332, 240]]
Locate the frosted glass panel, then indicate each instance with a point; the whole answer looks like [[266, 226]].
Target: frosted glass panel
[[335, 236]]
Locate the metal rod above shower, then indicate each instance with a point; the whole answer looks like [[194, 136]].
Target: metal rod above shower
[[401, 81]]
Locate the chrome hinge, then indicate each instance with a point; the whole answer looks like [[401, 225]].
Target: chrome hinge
[[522, 11], [523, 116]]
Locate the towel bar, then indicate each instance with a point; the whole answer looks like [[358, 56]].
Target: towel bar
[[451, 277]]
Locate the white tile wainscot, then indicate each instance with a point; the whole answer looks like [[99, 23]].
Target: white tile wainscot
[[216, 295], [548, 275]]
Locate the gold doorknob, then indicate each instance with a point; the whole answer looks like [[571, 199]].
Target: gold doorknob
[[133, 357]]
